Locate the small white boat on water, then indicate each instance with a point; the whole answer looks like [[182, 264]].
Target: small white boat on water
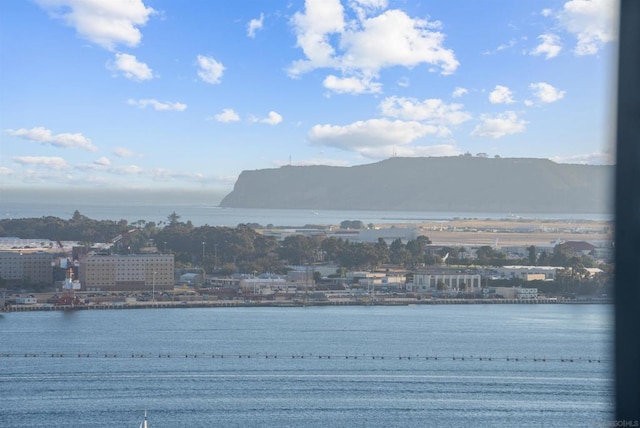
[[143, 424]]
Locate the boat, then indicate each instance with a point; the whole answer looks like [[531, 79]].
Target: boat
[[143, 424]]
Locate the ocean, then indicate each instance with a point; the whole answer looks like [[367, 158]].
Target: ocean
[[411, 366], [212, 215]]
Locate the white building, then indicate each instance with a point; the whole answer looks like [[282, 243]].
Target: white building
[[513, 292], [426, 282]]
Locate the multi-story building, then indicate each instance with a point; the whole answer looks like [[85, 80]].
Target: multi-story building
[[17, 267], [127, 272], [428, 282]]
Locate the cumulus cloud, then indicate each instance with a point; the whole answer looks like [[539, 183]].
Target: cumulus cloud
[[499, 125], [129, 66], [549, 46], [227, 115], [210, 70], [122, 152], [103, 161], [313, 28], [459, 91], [546, 93], [364, 45], [5, 171], [157, 105], [351, 85], [255, 25], [273, 119], [45, 136], [501, 95], [51, 162], [431, 110], [392, 39], [593, 22], [361, 136], [106, 23]]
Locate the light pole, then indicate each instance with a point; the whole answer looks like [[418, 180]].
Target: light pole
[[203, 244], [153, 292], [165, 247]]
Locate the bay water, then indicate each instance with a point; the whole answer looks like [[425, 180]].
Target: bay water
[[212, 215], [375, 366]]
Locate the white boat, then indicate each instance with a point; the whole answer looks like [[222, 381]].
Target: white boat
[[143, 424]]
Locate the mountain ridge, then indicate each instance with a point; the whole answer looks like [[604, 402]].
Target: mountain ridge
[[460, 183]]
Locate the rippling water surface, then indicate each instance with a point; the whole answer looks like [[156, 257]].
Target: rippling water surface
[[468, 365]]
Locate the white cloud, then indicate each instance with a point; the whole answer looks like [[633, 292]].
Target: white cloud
[[103, 161], [597, 158], [273, 119], [364, 8], [44, 136], [459, 91], [593, 22], [497, 126], [105, 22], [549, 46], [351, 85], [210, 70], [130, 67], [157, 105], [511, 43], [365, 45], [121, 152], [321, 18], [227, 115], [395, 39], [431, 110], [6, 171], [546, 93], [161, 174], [501, 95], [361, 136], [255, 25], [404, 82], [128, 170], [42, 161], [546, 12]]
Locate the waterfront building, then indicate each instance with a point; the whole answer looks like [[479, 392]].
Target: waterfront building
[[18, 267], [429, 282], [511, 292], [137, 272]]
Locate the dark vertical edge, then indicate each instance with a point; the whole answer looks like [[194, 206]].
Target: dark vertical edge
[[627, 211]]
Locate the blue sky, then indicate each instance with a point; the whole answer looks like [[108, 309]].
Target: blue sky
[[168, 94]]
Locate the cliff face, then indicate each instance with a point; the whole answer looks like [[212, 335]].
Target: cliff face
[[465, 184]]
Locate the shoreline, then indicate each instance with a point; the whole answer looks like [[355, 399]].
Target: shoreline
[[298, 304]]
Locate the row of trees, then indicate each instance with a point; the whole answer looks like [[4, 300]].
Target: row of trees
[[242, 249]]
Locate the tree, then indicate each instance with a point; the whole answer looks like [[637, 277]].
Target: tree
[[352, 224], [532, 256]]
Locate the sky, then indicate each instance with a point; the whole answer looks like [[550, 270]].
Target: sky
[[163, 95]]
